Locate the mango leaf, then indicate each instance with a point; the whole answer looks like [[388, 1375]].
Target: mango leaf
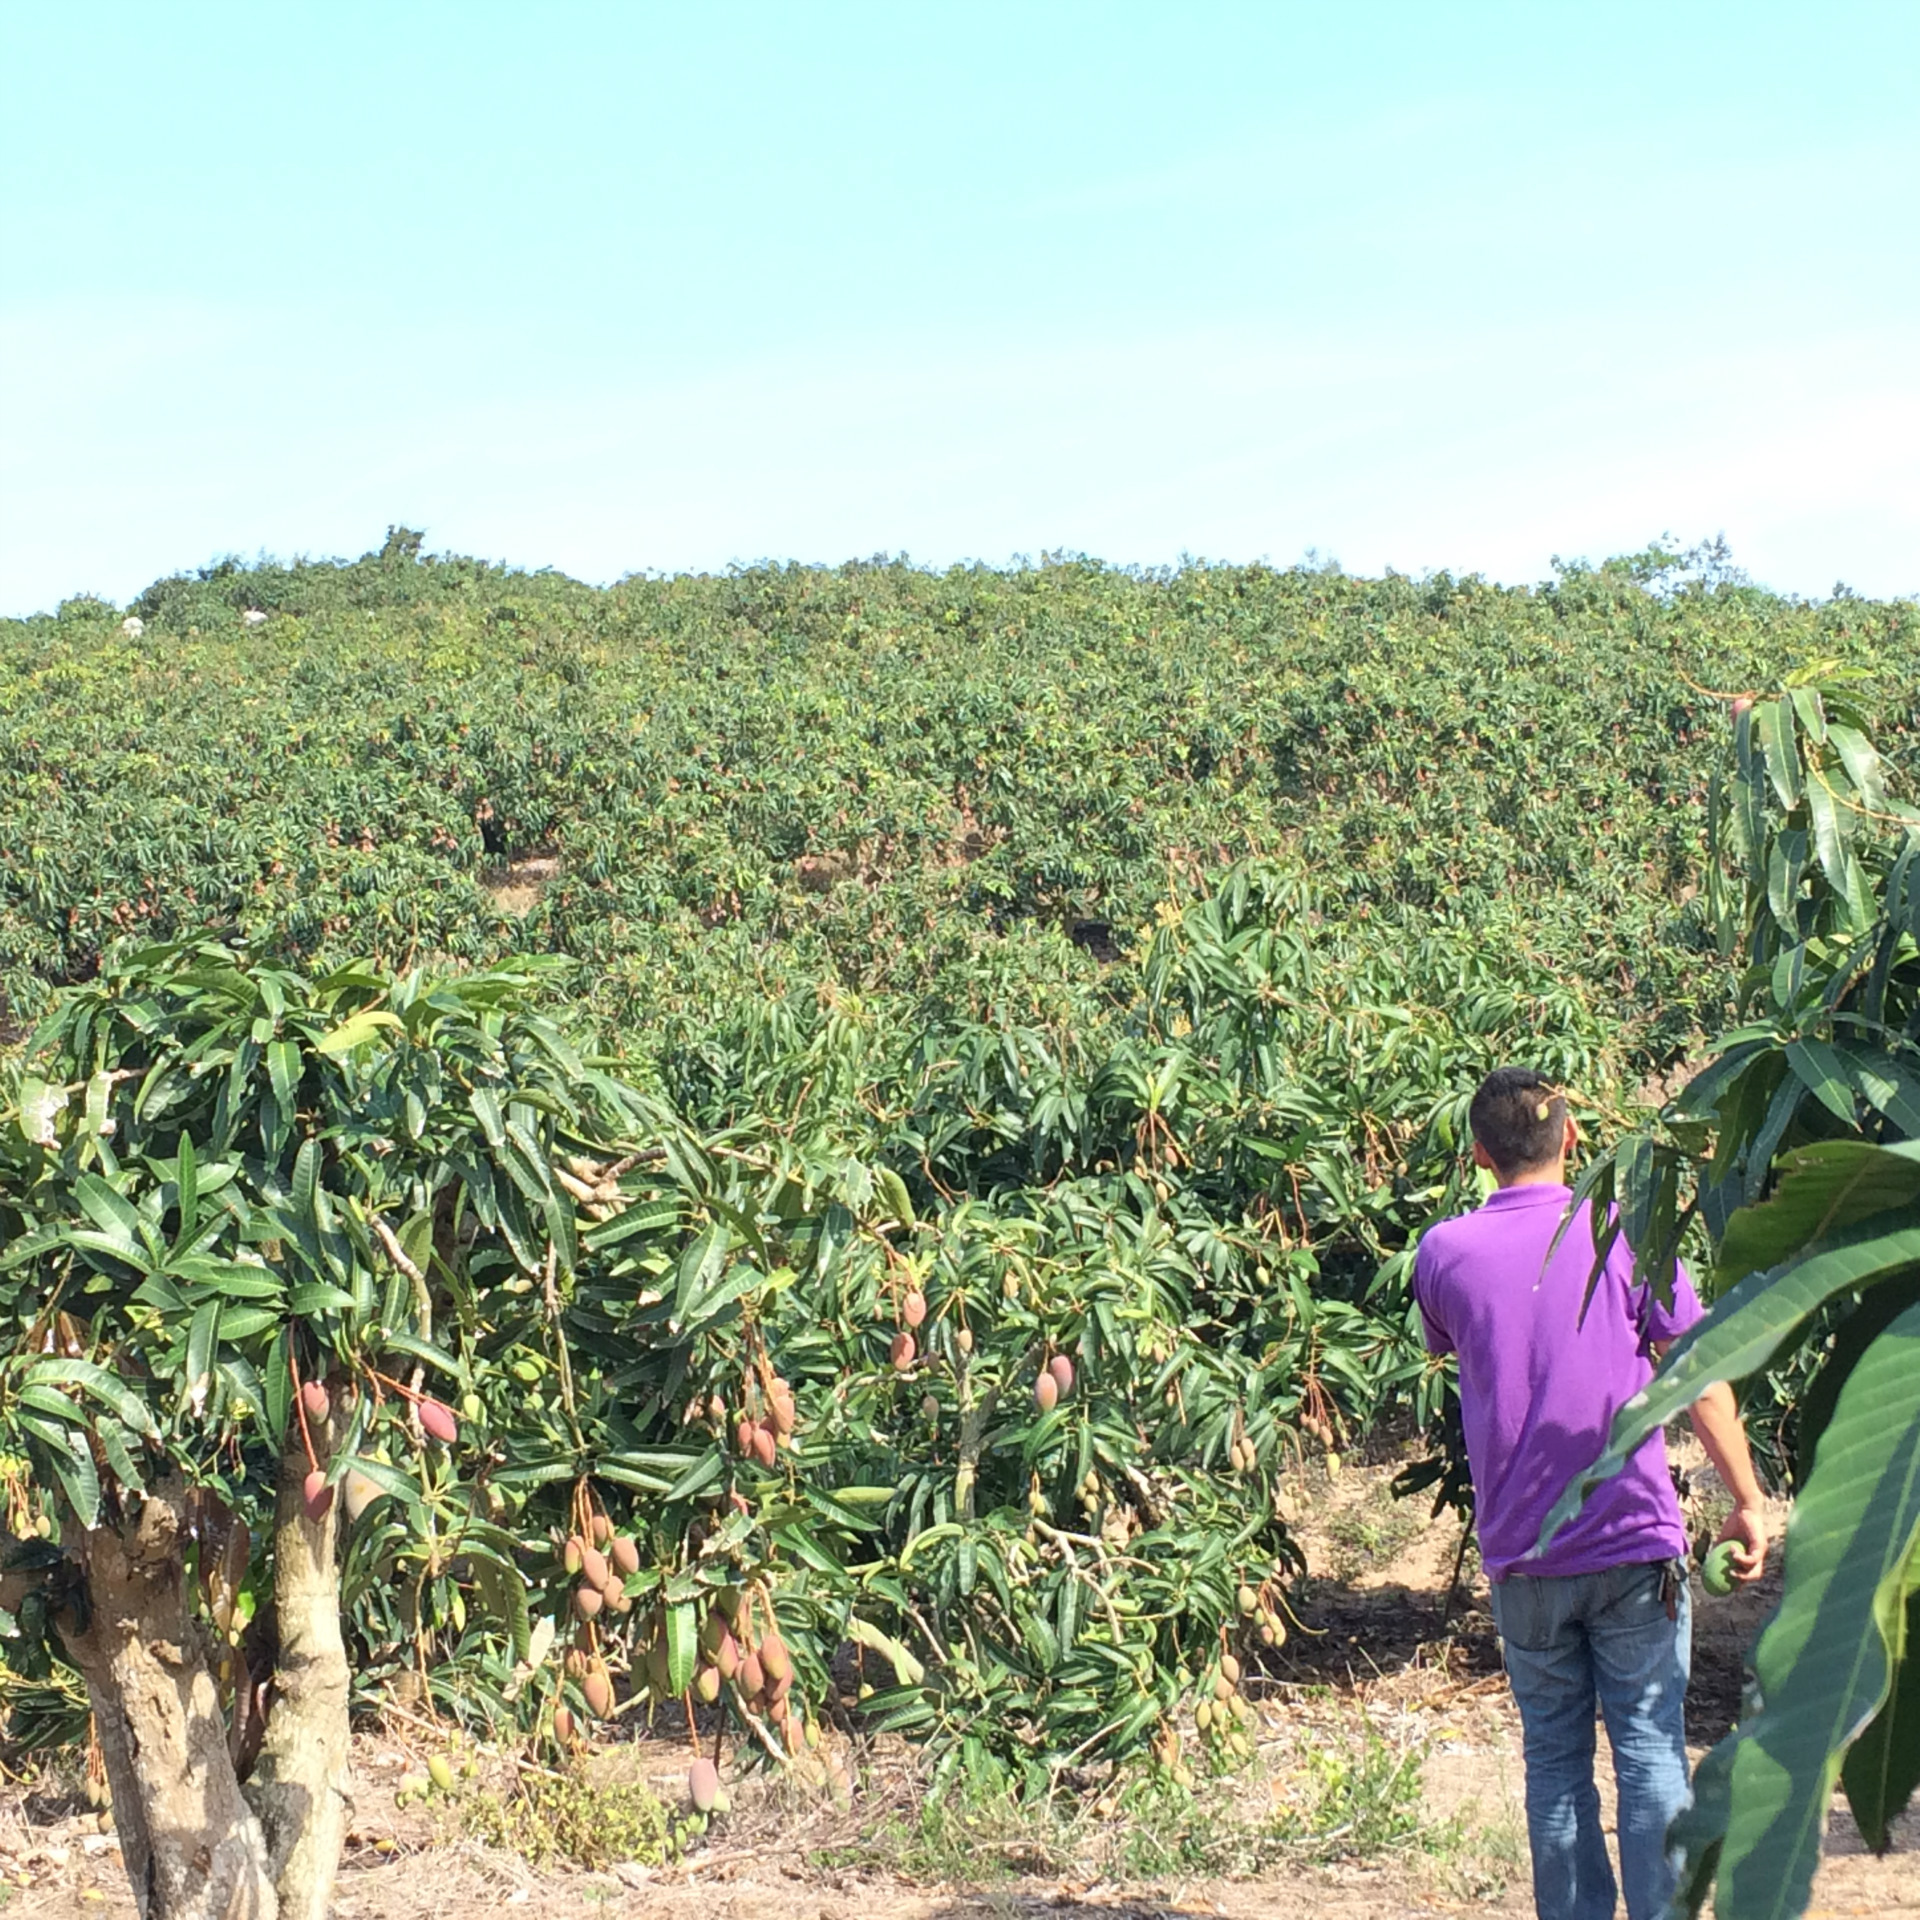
[[1882, 1767], [683, 1631], [354, 1031], [112, 1213], [1824, 1075], [1887, 1086], [67, 1449], [1775, 719], [102, 1385], [387, 1478], [1824, 1664], [1820, 1189]]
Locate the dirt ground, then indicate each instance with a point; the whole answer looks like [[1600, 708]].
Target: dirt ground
[[1389, 1649]]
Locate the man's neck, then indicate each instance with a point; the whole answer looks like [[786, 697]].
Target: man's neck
[[1552, 1174]]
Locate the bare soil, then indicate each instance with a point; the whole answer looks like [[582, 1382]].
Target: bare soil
[[1382, 1642]]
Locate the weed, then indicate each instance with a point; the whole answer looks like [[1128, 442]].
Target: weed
[[549, 1817], [1355, 1798], [1372, 1533], [978, 1828]]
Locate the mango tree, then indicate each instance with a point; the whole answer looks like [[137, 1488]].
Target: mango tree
[[273, 1249]]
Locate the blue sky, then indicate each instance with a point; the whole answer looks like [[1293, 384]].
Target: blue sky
[[613, 288]]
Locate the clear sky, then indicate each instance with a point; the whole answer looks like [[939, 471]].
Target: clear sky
[[626, 287]]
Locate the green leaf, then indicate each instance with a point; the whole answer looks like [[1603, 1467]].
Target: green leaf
[[1820, 1189], [112, 1213], [187, 1184], [1775, 718], [1862, 763], [1829, 834], [1824, 1075], [277, 1388], [707, 1471], [114, 1438], [317, 1297], [1882, 1767], [102, 1385], [73, 1466], [700, 1266], [1824, 1664], [683, 1633], [354, 1031], [306, 1182], [425, 1350], [1884, 1083], [283, 1074], [644, 1216], [204, 1330], [1879, 1307], [505, 1593], [387, 1478]]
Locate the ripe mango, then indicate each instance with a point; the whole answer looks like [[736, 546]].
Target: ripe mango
[[1046, 1393], [775, 1662], [703, 1784]]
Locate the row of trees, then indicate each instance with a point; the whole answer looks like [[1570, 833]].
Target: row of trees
[[367, 1324]]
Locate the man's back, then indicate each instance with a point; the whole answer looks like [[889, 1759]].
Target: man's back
[[1539, 1387]]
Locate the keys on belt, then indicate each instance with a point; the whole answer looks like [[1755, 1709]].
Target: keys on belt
[[1673, 1575]]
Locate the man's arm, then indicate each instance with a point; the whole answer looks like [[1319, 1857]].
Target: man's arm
[[1716, 1420]]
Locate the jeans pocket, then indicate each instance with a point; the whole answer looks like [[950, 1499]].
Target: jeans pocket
[[1522, 1613], [1633, 1597]]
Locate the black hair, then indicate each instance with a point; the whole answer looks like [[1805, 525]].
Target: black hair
[[1520, 1117]]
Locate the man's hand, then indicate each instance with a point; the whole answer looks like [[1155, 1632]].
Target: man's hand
[[1746, 1527]]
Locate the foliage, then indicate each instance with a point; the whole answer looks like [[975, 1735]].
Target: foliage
[[1799, 1145], [1058, 965]]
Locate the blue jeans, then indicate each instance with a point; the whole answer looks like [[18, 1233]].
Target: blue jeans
[[1570, 1641]]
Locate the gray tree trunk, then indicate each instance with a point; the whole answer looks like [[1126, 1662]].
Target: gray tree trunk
[[192, 1847], [299, 1784]]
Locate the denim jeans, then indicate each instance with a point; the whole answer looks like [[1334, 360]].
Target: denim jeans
[[1570, 1641]]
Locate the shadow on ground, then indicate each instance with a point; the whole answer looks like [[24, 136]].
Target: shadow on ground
[[1352, 1638]]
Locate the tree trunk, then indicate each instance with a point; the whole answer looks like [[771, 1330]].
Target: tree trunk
[[192, 1847], [299, 1785]]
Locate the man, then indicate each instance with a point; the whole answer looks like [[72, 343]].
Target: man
[[1604, 1613]]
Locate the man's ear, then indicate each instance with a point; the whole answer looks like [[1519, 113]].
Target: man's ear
[[1482, 1158], [1572, 1143]]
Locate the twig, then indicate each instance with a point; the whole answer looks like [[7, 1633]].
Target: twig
[[551, 1294]]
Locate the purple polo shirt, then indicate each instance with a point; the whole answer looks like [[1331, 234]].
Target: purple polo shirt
[[1538, 1390]]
